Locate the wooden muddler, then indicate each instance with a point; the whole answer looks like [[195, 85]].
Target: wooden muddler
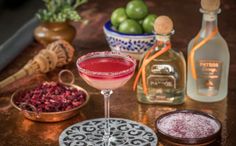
[[55, 55]]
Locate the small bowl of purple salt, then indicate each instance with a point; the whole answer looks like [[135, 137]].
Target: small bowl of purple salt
[[188, 127], [50, 101]]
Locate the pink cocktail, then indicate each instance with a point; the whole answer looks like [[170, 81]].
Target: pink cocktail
[[109, 72], [106, 71]]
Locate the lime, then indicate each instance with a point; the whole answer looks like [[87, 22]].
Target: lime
[[136, 9], [140, 21], [148, 23], [118, 16], [130, 26]]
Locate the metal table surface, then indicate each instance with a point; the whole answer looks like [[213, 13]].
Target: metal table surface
[[15, 130]]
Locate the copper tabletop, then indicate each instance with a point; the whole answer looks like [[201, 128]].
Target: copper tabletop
[[15, 130]]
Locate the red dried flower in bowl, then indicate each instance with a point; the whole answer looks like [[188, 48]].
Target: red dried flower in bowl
[[50, 101]]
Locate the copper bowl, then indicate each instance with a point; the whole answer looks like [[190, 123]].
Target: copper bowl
[[49, 116], [169, 139]]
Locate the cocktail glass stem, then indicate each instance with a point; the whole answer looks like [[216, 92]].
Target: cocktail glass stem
[[107, 93]]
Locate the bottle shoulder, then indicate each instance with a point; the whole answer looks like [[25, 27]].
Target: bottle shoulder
[[170, 55], [171, 58], [218, 42]]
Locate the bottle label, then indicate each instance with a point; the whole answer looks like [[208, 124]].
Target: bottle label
[[162, 81], [162, 69], [208, 77], [161, 76]]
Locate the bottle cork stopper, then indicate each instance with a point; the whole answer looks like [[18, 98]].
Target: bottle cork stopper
[[210, 5], [163, 25]]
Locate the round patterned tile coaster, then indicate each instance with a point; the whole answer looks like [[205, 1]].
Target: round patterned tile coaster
[[125, 132]]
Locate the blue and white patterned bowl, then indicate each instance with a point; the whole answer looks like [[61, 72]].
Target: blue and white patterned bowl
[[134, 45]]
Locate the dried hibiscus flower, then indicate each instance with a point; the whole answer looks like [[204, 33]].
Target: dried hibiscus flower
[[51, 97]]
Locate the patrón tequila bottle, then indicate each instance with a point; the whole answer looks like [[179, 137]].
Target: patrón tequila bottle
[[208, 58], [161, 78]]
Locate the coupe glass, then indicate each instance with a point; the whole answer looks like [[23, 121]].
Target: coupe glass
[[106, 71]]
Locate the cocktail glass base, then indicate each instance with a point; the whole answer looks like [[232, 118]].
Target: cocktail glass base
[[123, 132]]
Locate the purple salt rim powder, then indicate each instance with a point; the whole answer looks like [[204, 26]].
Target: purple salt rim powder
[[188, 125]]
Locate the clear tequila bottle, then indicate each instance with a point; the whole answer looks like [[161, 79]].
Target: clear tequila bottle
[[208, 58], [165, 74]]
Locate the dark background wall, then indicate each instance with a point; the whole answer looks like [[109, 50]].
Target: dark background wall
[[14, 13]]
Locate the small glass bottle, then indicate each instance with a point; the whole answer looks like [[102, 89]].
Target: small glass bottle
[[165, 74], [208, 58]]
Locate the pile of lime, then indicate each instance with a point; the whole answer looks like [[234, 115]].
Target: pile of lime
[[134, 19]]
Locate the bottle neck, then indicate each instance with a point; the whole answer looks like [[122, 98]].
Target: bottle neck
[[162, 41], [209, 23]]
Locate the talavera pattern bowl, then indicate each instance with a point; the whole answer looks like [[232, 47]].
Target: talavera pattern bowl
[[134, 45]]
